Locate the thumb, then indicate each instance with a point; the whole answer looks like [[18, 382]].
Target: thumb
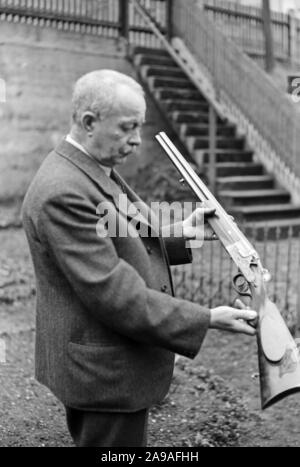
[[242, 305]]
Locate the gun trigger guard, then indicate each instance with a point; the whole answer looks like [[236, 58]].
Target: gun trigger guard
[[241, 286]]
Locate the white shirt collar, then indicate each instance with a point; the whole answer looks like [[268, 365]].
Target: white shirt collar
[[77, 145]]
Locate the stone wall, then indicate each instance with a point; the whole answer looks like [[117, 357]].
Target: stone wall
[[39, 67]]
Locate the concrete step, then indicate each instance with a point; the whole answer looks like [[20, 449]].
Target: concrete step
[[223, 155], [253, 197], [139, 49], [172, 82], [166, 71], [198, 107], [203, 130], [237, 168], [187, 112], [265, 212], [159, 60], [173, 93], [252, 182], [221, 143]]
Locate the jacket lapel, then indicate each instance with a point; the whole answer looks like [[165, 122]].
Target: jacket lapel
[[113, 186], [143, 213], [90, 167]]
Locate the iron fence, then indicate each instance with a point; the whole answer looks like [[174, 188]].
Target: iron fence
[[208, 280], [111, 18], [244, 24], [139, 34], [100, 17]]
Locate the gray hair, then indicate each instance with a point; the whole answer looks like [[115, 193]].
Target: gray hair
[[96, 92]]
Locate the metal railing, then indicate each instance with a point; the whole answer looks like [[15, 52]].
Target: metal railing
[[244, 24], [208, 280], [157, 10], [238, 78], [138, 32], [112, 18], [93, 16]]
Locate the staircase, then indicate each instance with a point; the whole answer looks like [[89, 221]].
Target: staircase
[[244, 187]]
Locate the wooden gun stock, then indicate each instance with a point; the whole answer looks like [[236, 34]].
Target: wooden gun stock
[[278, 355]]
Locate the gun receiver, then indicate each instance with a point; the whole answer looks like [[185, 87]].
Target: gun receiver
[[278, 355]]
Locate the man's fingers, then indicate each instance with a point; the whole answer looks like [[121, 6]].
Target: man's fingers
[[244, 303], [208, 212], [239, 304], [244, 328], [204, 212], [246, 315], [233, 320]]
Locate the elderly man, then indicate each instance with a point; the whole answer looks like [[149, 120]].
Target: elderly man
[[107, 324]]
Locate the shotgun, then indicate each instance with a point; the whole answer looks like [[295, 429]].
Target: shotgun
[[278, 355]]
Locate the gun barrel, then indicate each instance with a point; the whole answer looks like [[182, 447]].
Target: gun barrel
[[278, 356], [231, 237]]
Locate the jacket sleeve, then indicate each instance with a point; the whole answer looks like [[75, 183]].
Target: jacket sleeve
[[176, 245], [111, 288]]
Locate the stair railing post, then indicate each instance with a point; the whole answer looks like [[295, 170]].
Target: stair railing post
[[169, 25], [212, 148], [124, 19], [292, 45]]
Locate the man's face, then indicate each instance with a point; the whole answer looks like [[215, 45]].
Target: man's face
[[117, 136]]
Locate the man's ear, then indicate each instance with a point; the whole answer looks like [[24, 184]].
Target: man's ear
[[88, 121]]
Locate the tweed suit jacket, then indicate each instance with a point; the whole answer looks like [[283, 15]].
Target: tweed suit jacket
[[107, 325]]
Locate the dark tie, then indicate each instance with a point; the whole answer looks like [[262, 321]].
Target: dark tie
[[117, 180]]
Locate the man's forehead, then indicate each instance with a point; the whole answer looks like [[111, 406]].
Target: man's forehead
[[129, 100]]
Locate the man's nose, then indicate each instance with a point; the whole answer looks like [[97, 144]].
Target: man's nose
[[135, 138]]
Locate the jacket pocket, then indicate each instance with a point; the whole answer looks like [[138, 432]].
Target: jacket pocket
[[116, 378], [95, 376]]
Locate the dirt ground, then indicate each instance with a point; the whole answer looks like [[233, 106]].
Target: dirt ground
[[213, 401]]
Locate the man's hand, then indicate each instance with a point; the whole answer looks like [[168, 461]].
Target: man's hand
[[194, 225], [233, 320]]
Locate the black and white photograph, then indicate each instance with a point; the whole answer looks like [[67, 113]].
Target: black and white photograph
[[149, 226]]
